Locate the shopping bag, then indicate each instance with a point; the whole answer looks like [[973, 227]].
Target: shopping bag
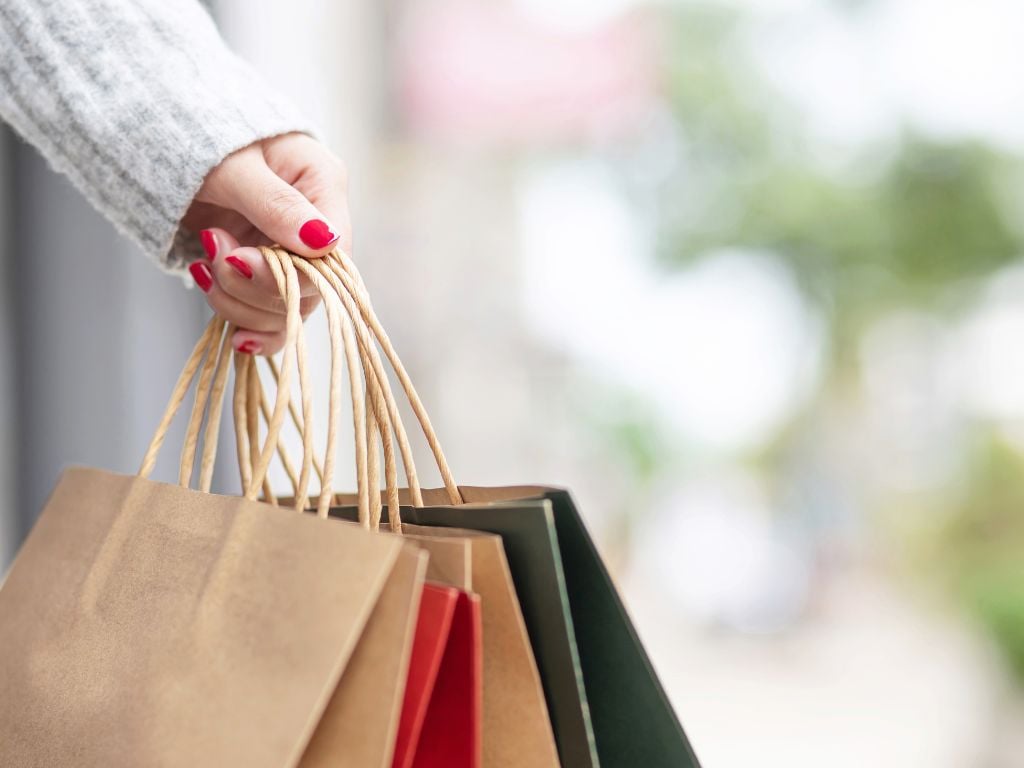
[[145, 624], [441, 715], [437, 607], [450, 737], [374, 681], [605, 701], [150, 624]]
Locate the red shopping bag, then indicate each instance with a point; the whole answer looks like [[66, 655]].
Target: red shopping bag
[[441, 719]]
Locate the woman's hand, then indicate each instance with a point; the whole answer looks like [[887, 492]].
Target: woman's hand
[[289, 190]]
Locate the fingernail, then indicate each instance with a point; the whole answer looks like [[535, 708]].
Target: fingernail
[[250, 347], [202, 275], [316, 233], [209, 243], [240, 267]]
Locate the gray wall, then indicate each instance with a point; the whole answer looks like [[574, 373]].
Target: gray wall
[[93, 338], [7, 399]]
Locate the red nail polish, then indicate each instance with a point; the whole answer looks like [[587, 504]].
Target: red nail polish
[[316, 234], [209, 243], [250, 347], [240, 267], [202, 275]]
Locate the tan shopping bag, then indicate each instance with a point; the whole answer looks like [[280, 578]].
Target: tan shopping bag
[[146, 624], [150, 624]]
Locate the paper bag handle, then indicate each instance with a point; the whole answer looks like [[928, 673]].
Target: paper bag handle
[[339, 269], [382, 411], [203, 354], [352, 286], [377, 404], [378, 426], [253, 458]]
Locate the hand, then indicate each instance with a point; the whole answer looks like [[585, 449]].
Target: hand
[[289, 190]]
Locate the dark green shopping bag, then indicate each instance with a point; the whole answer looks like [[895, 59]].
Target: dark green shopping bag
[[606, 704]]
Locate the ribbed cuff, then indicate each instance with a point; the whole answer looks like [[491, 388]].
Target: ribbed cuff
[[136, 101]]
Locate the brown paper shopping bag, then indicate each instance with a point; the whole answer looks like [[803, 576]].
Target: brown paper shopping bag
[[145, 624], [149, 624], [346, 736]]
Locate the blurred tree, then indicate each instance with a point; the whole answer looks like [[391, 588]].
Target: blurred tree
[[899, 226]]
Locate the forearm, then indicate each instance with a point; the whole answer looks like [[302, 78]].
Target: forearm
[[136, 101]]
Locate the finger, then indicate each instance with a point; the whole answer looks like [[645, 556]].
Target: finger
[[318, 174], [255, 343], [217, 240], [277, 209], [265, 343], [232, 309], [244, 274]]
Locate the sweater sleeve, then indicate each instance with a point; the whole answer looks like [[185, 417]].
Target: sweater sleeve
[[135, 101]]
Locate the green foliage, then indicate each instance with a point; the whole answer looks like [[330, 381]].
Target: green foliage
[[898, 224], [995, 592], [983, 543]]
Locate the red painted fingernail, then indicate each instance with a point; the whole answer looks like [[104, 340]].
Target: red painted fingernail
[[317, 234], [209, 243], [250, 347], [240, 267], [202, 275]]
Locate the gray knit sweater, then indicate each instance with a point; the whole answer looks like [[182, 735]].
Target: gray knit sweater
[[136, 101]]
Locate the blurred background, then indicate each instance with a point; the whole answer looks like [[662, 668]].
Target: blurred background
[[746, 275]]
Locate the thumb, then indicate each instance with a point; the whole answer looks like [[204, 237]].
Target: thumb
[[282, 213]]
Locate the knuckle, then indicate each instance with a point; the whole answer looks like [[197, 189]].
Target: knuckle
[[280, 203], [219, 304], [252, 319], [268, 298]]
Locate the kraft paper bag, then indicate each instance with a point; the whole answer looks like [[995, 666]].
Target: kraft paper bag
[[148, 624], [360, 725], [607, 705]]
